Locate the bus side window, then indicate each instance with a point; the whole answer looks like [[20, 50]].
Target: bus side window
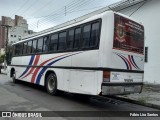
[[24, 48], [95, 34], [18, 49], [62, 41], [13, 50], [86, 36], [70, 39], [54, 42], [34, 46], [29, 48], [45, 44], [77, 38], [21, 48], [40, 44]]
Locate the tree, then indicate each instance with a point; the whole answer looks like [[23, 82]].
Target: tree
[[2, 58]]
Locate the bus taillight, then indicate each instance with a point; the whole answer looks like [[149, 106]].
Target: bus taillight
[[106, 76]]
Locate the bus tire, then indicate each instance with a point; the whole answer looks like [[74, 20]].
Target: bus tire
[[51, 84], [14, 77]]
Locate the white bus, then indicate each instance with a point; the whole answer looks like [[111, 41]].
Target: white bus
[[100, 55]]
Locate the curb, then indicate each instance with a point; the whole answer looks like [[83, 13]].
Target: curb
[[3, 73], [137, 102]]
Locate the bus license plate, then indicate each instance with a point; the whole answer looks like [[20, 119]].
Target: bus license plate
[[129, 89]]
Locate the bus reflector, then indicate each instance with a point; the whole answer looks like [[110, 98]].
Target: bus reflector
[[106, 76]]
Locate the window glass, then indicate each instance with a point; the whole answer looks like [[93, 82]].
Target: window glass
[[21, 48], [18, 49], [13, 50], [86, 36], [77, 38], [45, 44], [24, 48], [34, 46], [54, 42], [70, 39], [40, 44], [62, 41], [29, 48], [95, 34]]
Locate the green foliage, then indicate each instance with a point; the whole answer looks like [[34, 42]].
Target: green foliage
[[2, 58], [142, 100]]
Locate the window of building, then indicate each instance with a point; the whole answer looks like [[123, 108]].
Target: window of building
[[34, 46], [77, 38], [14, 35], [54, 42], [70, 39], [62, 41], [40, 45], [29, 48], [95, 33], [86, 36], [11, 35], [46, 44]]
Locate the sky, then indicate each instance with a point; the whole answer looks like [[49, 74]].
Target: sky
[[43, 14]]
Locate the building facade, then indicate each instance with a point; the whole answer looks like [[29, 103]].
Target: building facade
[[11, 30]]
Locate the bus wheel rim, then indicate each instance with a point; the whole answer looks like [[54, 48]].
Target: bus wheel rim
[[51, 84]]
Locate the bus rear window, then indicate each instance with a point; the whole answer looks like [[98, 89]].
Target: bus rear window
[[128, 35]]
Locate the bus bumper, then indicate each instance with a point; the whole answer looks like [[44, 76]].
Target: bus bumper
[[121, 88]]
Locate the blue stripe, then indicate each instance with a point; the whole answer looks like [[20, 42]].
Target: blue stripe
[[44, 69], [124, 61], [30, 63], [134, 62]]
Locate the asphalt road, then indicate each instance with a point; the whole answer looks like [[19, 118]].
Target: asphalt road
[[26, 97]]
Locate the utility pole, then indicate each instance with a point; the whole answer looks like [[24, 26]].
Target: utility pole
[[6, 45]]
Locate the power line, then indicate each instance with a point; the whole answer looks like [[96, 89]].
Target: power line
[[51, 14], [22, 6], [30, 6], [41, 8], [62, 13], [69, 12], [57, 15], [61, 10], [138, 8], [77, 11]]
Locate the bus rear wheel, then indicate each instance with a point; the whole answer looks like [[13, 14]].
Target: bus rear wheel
[[51, 84]]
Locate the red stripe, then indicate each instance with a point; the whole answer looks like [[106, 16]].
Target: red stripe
[[131, 60], [35, 63], [130, 66], [37, 69]]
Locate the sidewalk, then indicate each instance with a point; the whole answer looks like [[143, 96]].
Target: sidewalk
[[150, 96]]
